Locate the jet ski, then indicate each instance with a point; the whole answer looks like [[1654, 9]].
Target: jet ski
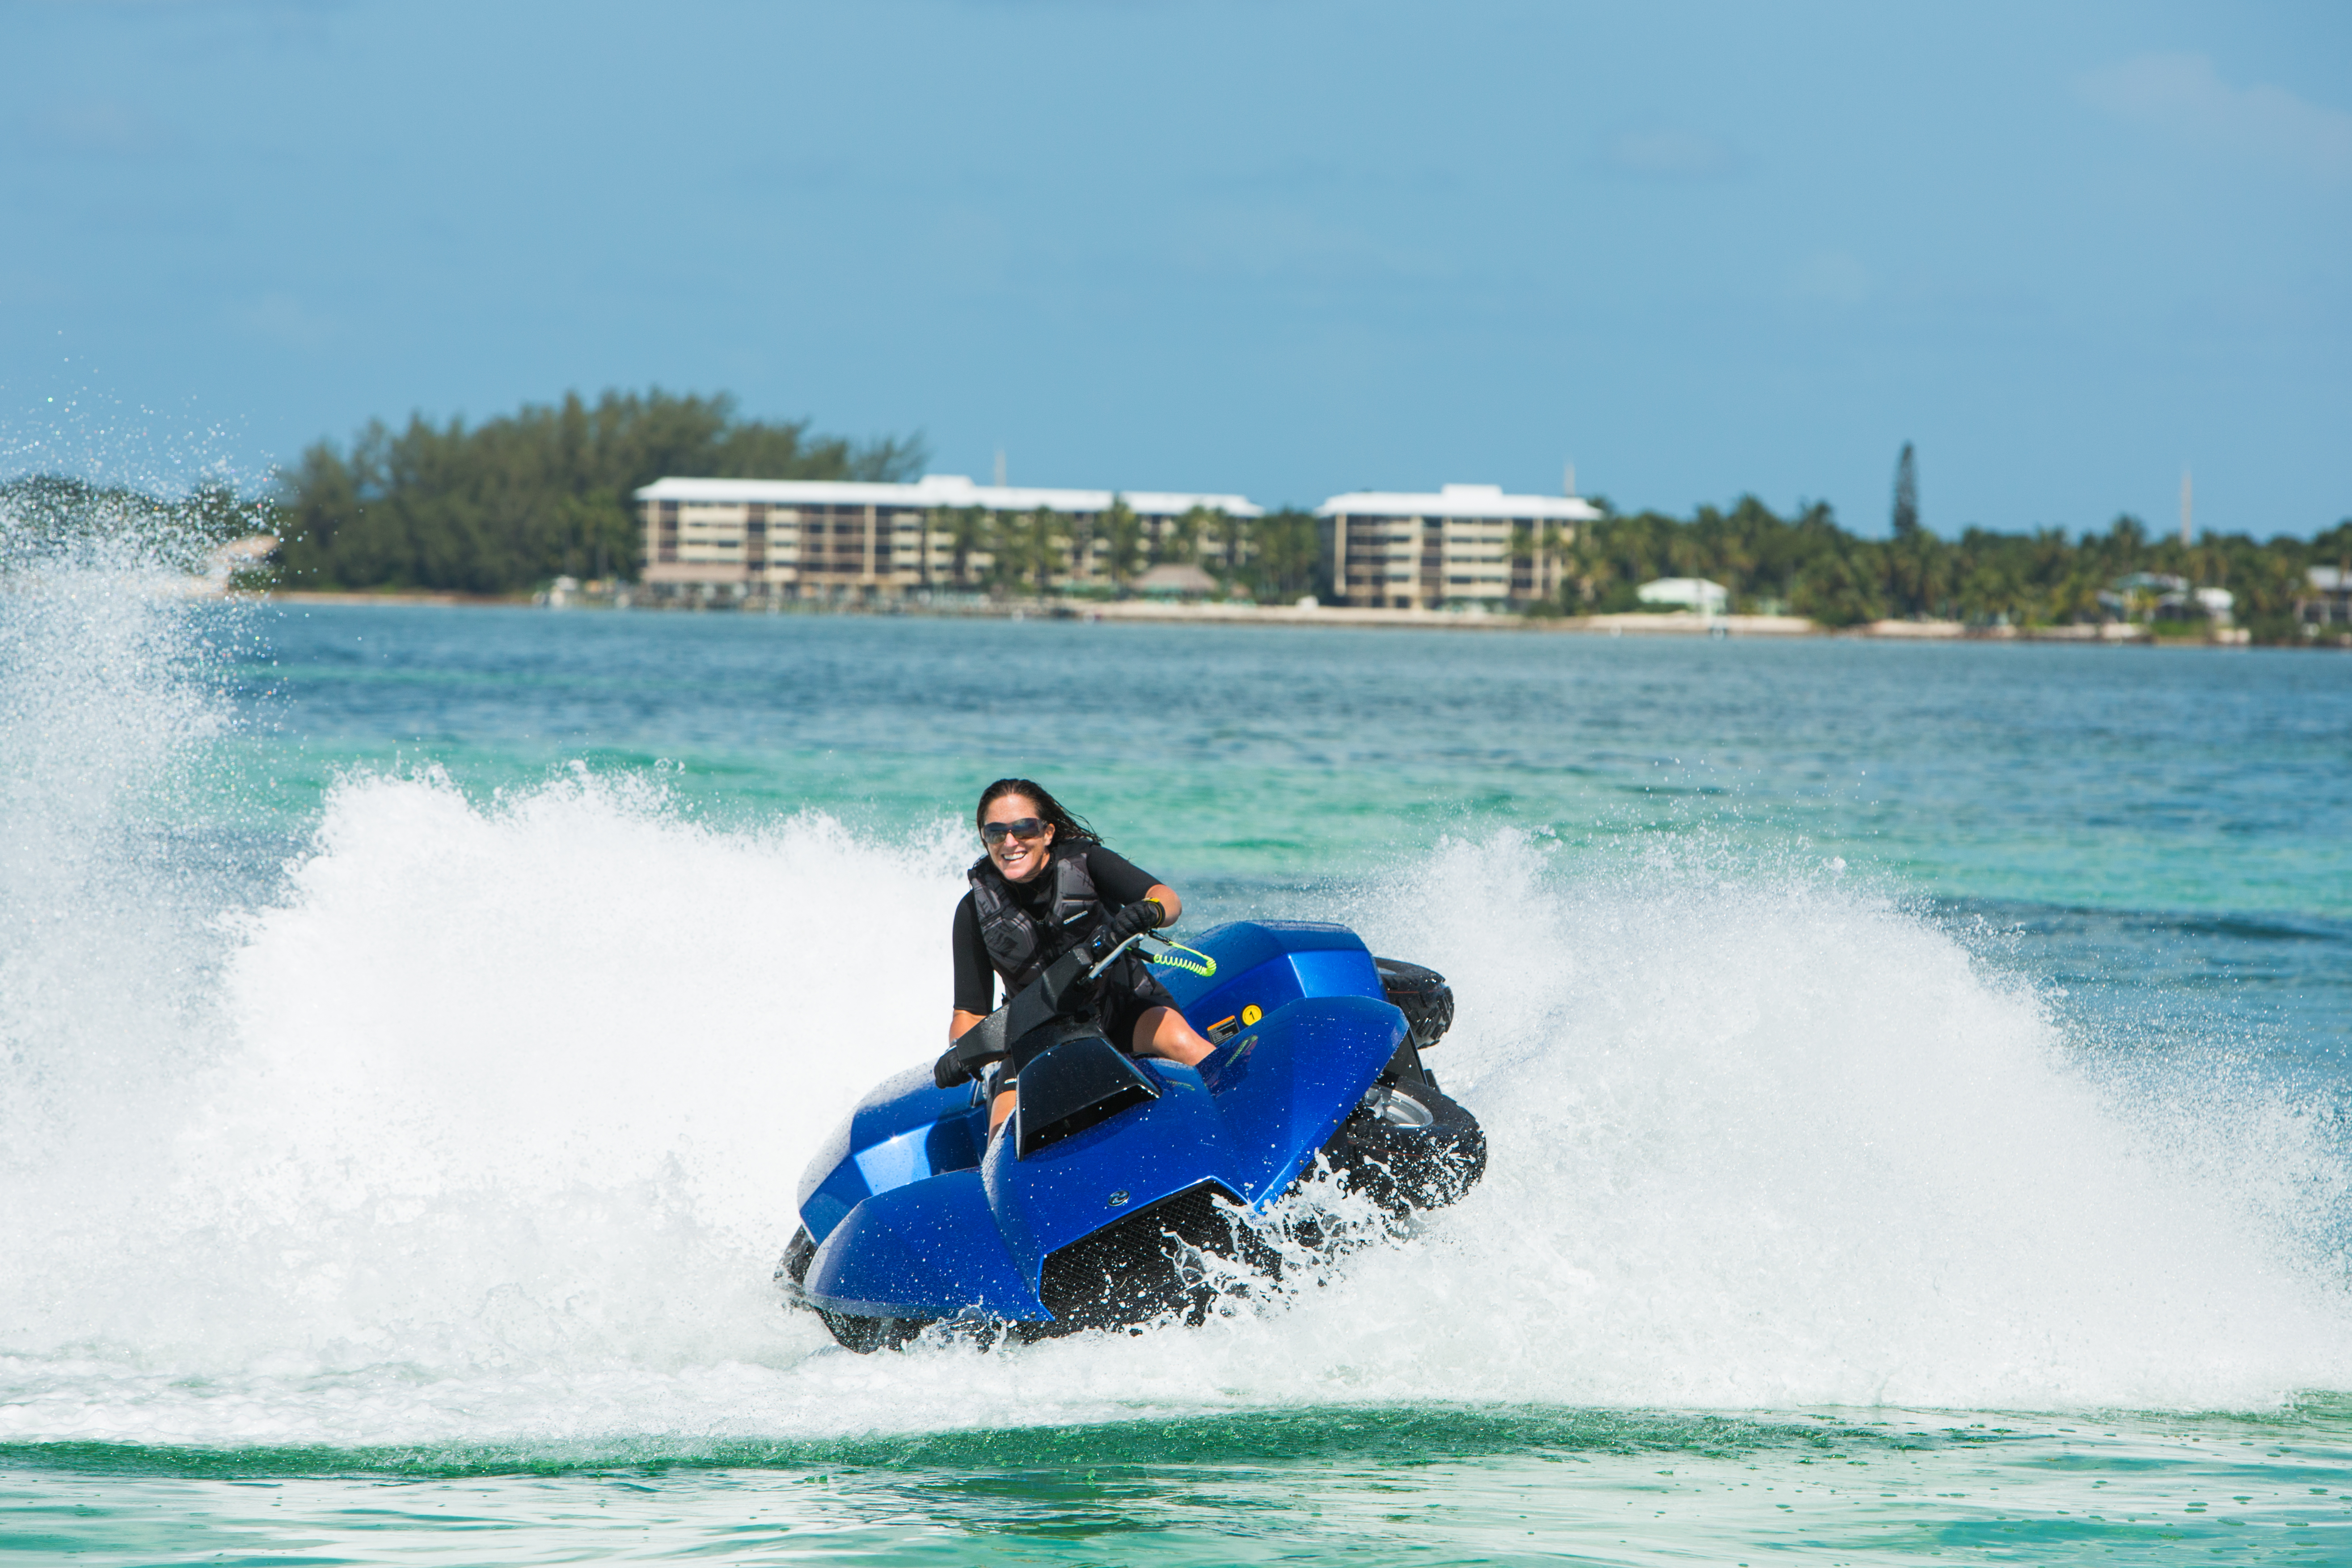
[[1110, 1194]]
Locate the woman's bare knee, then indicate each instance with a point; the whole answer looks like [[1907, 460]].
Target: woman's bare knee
[[1163, 1032]]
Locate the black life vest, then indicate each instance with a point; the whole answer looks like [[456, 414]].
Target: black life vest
[[1019, 943]]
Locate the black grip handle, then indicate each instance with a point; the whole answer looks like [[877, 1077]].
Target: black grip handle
[[980, 1043]]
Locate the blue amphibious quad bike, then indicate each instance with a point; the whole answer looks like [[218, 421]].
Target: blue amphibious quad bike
[[1095, 1202]]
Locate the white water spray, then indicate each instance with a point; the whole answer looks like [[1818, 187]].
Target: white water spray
[[483, 1127]]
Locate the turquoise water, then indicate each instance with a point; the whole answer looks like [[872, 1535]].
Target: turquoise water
[[2122, 808], [2104, 778], [1917, 1079], [1408, 1486]]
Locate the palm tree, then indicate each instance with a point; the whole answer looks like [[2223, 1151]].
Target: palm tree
[[967, 531], [1026, 549], [1122, 534], [1180, 538], [1004, 541], [1046, 534], [1078, 530], [1232, 544]]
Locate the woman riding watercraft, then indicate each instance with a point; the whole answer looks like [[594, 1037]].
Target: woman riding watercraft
[[1045, 885], [1122, 1134]]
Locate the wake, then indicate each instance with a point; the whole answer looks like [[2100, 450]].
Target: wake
[[482, 1125]]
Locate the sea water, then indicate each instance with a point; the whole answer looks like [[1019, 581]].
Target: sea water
[[1915, 1080]]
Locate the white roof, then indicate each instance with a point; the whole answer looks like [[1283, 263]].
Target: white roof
[[939, 490], [1457, 501], [1681, 591]]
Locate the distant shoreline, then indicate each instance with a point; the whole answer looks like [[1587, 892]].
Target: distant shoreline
[[368, 596], [1141, 612]]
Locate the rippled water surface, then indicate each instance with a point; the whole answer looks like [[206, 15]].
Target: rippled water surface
[[1400, 1485], [1917, 1079]]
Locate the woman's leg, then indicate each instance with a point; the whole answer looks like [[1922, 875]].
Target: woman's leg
[[1163, 1032], [1160, 1032]]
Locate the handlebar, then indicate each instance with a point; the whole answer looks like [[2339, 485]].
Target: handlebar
[[1063, 991], [1112, 956]]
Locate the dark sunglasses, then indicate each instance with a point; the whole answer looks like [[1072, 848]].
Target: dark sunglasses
[[1021, 827]]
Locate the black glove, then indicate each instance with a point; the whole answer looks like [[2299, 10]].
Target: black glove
[[1143, 915], [949, 1071]]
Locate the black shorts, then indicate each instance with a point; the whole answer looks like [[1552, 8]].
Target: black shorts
[[1123, 1007]]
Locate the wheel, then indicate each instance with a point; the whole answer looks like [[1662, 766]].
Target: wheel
[[864, 1335], [1421, 994], [1148, 1266], [794, 1267], [1409, 1146]]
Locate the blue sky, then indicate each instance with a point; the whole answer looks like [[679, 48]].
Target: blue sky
[[1285, 248]]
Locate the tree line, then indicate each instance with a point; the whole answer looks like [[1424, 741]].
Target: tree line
[[507, 505], [1277, 557], [1807, 565], [504, 506], [546, 492], [44, 516]]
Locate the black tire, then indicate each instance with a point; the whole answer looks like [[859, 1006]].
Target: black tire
[[794, 1267], [1421, 994], [1409, 1146], [1137, 1269], [864, 1335]]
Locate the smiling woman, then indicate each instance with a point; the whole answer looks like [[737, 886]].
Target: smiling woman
[[1045, 885]]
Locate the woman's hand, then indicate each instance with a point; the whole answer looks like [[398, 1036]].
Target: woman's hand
[[1143, 915]]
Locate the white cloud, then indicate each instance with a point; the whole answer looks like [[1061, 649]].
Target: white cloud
[[1668, 155], [2182, 95]]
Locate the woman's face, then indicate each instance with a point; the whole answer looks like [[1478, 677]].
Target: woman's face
[[1019, 859]]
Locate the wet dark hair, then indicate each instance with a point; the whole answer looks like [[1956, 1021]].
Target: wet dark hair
[[1068, 829]]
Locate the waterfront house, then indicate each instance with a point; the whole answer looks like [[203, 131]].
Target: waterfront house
[[2327, 599], [1686, 593]]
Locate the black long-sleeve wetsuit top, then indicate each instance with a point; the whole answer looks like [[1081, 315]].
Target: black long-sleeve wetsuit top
[[1117, 880]]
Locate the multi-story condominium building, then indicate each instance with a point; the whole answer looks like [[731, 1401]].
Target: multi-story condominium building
[[1468, 545], [802, 539]]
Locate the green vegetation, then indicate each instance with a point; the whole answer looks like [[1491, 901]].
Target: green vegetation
[[1285, 559], [42, 515], [1268, 558], [514, 501], [505, 506], [1808, 565]]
